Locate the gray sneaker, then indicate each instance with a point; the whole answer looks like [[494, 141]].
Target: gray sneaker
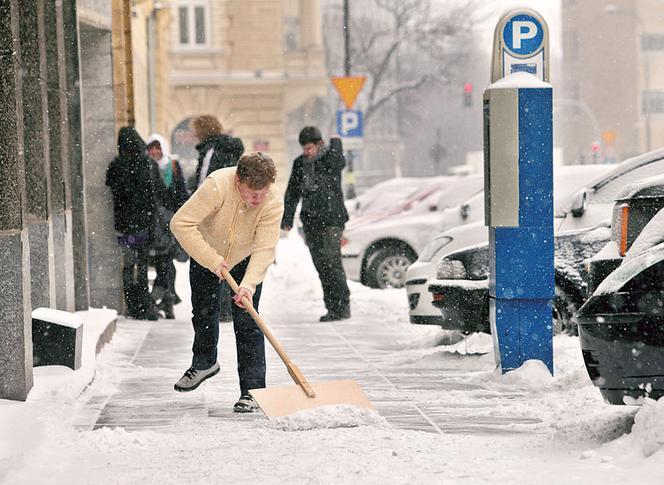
[[245, 404], [194, 378]]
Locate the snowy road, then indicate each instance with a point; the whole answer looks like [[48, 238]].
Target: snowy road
[[444, 414]]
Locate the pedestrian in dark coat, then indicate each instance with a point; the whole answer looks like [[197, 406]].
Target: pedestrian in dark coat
[[129, 177], [216, 150], [316, 180], [171, 193]]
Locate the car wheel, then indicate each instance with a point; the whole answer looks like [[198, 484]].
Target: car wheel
[[387, 268], [564, 309]]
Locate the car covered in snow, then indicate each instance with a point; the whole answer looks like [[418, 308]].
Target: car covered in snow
[[621, 329], [377, 251], [422, 271], [592, 204], [567, 179], [621, 326], [634, 208], [461, 289], [387, 195]]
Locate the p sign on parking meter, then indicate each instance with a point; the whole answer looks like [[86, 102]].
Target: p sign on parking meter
[[521, 44]]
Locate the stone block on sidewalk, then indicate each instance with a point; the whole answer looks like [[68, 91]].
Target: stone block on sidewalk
[[57, 338]]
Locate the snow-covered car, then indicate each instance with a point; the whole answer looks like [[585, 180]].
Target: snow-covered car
[[377, 252], [461, 290], [422, 271], [621, 327], [592, 204], [567, 179], [386, 195], [634, 208]]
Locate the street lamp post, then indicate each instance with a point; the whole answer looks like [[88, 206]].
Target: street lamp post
[[615, 10]]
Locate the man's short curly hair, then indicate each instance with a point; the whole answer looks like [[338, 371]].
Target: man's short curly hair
[[257, 170]]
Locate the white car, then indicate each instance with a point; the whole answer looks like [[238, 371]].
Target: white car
[[422, 271], [386, 195], [593, 203], [567, 181], [378, 251]]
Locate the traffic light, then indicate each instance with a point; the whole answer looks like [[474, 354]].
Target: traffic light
[[468, 94], [595, 149]]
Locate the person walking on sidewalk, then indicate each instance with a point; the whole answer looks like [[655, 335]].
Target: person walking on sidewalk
[[231, 221], [171, 193], [130, 179], [316, 179]]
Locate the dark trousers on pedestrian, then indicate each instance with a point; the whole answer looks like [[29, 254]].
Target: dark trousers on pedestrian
[[249, 339], [135, 279], [165, 268], [325, 247]]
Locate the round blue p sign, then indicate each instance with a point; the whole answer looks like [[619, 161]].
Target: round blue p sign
[[523, 35]]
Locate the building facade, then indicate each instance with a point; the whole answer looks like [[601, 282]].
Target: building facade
[[258, 65], [612, 105]]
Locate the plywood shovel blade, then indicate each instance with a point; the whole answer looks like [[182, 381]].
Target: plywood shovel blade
[[282, 401]]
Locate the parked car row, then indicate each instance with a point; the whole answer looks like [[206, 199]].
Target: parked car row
[[609, 261]]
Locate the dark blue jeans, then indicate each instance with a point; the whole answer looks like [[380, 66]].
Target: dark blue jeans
[[249, 339]]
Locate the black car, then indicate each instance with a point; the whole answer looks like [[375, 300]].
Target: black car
[[621, 326], [461, 290], [634, 207], [621, 329]]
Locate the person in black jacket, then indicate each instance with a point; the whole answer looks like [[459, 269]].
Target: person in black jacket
[[130, 179], [215, 150], [316, 179]]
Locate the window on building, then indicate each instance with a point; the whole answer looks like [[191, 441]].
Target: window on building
[[193, 23], [652, 42], [653, 102]]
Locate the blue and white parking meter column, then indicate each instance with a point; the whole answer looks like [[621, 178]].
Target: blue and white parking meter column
[[518, 154]]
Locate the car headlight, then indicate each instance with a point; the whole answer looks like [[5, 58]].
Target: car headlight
[[450, 269]]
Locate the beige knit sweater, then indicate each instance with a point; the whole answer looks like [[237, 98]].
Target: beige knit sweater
[[215, 224]]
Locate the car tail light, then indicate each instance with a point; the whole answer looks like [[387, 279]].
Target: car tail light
[[624, 222], [438, 297]]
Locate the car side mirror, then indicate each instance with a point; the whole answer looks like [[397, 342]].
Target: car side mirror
[[463, 210], [433, 208], [579, 202]]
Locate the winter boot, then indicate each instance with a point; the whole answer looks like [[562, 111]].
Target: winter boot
[[338, 314], [166, 305]]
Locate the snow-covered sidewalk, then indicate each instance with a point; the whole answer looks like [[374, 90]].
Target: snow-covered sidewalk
[[444, 414]]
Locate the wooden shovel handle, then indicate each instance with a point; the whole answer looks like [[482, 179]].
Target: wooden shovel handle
[[293, 370]]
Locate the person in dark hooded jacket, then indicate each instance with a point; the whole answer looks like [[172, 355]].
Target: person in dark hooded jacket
[[131, 180], [316, 181], [215, 150]]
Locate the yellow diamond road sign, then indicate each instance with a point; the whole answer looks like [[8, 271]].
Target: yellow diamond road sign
[[348, 88]]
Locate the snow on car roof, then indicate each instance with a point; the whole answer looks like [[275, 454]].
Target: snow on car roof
[[627, 165], [645, 188]]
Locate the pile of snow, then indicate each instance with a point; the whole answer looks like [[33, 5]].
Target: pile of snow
[[532, 374], [327, 417], [648, 430]]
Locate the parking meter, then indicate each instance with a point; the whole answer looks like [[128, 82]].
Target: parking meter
[[518, 170]]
